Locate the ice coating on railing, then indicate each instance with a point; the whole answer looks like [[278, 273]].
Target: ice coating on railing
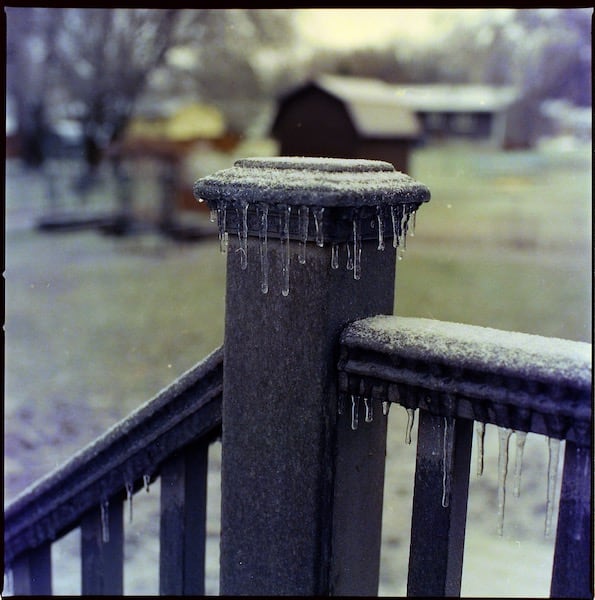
[[447, 456], [325, 201], [479, 348], [518, 382]]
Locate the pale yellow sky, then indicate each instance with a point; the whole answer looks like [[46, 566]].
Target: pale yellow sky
[[343, 28]]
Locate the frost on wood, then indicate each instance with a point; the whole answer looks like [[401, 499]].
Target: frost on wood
[[519, 382], [336, 202], [314, 182], [476, 348]]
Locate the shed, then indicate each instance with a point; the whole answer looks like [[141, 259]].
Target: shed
[[346, 117], [169, 132], [476, 112], [188, 122]]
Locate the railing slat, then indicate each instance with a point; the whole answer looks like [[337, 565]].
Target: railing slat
[[572, 571], [102, 550], [438, 532], [32, 572], [183, 521]]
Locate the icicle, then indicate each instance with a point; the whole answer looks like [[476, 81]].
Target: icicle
[[349, 264], [385, 407], [105, 521], [409, 427], [396, 213], [244, 235], [480, 430], [354, 412], [213, 215], [318, 216], [146, 482], [414, 215], [404, 228], [446, 460], [335, 255], [285, 250], [380, 228], [129, 491], [221, 223], [264, 255], [503, 439], [552, 478], [520, 439], [304, 218], [393, 216], [341, 404], [357, 249], [369, 413]]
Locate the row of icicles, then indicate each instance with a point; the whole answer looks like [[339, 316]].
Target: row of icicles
[[504, 435], [104, 508], [400, 217]]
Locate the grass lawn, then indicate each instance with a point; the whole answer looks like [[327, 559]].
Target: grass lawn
[[505, 241]]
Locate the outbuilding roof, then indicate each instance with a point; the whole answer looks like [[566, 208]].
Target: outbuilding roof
[[455, 98], [382, 110], [376, 111]]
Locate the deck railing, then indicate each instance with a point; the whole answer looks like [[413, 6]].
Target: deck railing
[[296, 394], [168, 437], [456, 374]]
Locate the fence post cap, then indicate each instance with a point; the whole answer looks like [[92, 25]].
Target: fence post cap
[[308, 181]]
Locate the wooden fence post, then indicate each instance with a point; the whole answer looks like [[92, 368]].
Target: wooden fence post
[[301, 489]]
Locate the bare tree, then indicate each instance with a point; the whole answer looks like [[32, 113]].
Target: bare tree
[[103, 58], [231, 48], [29, 51]]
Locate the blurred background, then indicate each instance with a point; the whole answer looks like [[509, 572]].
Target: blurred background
[[114, 280]]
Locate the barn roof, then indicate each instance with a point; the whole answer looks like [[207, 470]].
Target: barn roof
[[375, 109]]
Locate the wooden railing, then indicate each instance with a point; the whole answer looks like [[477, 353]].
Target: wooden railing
[[456, 374], [168, 437]]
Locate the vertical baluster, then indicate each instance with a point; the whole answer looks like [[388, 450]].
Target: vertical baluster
[[102, 549], [438, 523], [571, 575], [32, 572], [183, 521]]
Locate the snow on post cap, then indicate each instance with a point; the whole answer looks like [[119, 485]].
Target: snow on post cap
[[479, 348], [307, 181], [331, 165]]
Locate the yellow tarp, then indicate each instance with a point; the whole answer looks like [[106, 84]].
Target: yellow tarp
[[193, 121]]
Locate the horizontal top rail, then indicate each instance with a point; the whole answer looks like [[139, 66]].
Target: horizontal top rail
[[516, 380], [128, 454]]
